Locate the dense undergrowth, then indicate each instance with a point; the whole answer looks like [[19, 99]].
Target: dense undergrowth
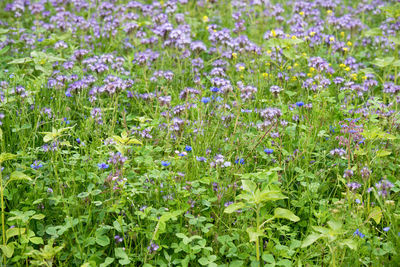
[[199, 133]]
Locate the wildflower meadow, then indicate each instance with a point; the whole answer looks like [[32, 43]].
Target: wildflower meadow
[[200, 133]]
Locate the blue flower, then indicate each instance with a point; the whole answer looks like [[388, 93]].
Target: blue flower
[[103, 166], [386, 229], [188, 148], [214, 89], [269, 151], [205, 100], [78, 140], [241, 161], [36, 165], [165, 163], [357, 232], [300, 104]]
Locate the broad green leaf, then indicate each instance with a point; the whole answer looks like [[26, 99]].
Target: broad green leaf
[[6, 156], [14, 232], [234, 207], [285, 214], [383, 62], [351, 243], [21, 60], [36, 240], [335, 225], [376, 214], [103, 240], [107, 262], [383, 153], [269, 195], [17, 175], [254, 233], [38, 217], [249, 186], [8, 250], [311, 239]]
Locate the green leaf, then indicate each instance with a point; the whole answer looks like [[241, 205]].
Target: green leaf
[[269, 195], [376, 214], [8, 250], [249, 186], [14, 232], [121, 254], [107, 262], [38, 217], [234, 207], [351, 243], [383, 62], [21, 60], [36, 240], [17, 175], [285, 214], [102, 240], [203, 261], [6, 156], [383, 153], [254, 233], [311, 239]]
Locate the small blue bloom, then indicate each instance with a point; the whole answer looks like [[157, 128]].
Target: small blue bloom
[[103, 166], [214, 89], [269, 151], [205, 100], [36, 165], [300, 104], [66, 121], [357, 232], [68, 94], [386, 229], [358, 201], [188, 148], [40, 39], [165, 163], [241, 161], [78, 140]]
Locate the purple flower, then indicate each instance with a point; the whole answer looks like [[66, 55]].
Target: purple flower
[[201, 159], [241, 161], [386, 229], [153, 247]]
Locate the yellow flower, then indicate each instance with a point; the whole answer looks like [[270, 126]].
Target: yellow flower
[[289, 67], [296, 64], [241, 68], [349, 43], [294, 78], [342, 34], [301, 13], [241, 76], [347, 69], [309, 74], [294, 37], [345, 49], [205, 19], [304, 54], [364, 77], [312, 69], [269, 51], [267, 64], [265, 75], [273, 33], [329, 12], [332, 39], [234, 55], [312, 34]]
